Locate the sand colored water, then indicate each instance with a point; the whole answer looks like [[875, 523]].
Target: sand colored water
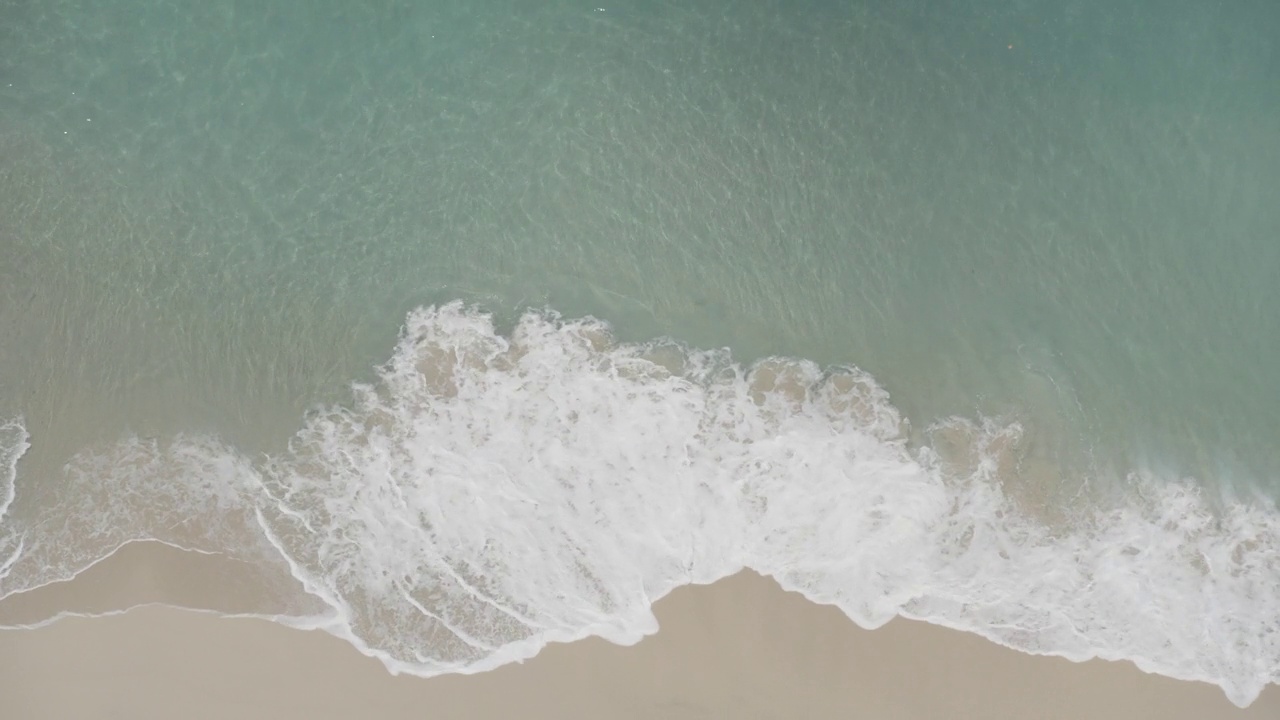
[[740, 648]]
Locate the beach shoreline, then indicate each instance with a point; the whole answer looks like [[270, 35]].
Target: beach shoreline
[[741, 647]]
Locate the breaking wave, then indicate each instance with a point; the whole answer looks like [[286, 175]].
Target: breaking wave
[[492, 493]]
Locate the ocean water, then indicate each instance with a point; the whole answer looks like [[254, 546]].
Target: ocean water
[[490, 324]]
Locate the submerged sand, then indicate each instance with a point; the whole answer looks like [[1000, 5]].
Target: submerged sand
[[741, 648]]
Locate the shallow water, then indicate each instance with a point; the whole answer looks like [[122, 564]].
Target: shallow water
[[1043, 229]]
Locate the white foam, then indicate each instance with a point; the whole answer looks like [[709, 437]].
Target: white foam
[[14, 443], [190, 492], [491, 494]]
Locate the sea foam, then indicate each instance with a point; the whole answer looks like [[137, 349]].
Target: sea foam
[[14, 442], [491, 493]]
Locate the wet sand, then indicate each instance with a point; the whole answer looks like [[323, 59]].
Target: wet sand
[[741, 648]]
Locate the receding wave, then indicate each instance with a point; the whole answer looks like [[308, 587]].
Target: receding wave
[[492, 493]]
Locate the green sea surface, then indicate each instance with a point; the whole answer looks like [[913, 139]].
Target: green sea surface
[[216, 214]]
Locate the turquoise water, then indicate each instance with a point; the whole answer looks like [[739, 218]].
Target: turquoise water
[[1052, 220]]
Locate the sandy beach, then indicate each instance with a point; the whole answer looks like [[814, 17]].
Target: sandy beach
[[741, 648]]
